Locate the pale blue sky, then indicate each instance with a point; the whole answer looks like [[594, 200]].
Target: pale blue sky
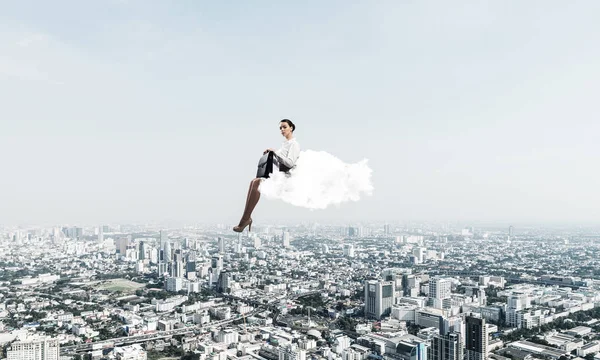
[[127, 110]]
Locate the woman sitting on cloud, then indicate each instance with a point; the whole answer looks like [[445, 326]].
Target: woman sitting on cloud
[[309, 179]]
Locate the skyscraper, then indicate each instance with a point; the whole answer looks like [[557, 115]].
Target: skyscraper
[[476, 343], [286, 239], [191, 265], [349, 250], [351, 231], [168, 256], [379, 298], [446, 347], [142, 251], [221, 245], [440, 292]]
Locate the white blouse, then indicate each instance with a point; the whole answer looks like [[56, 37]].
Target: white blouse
[[288, 153]]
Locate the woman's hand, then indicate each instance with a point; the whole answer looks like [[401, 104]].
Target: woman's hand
[[269, 149]]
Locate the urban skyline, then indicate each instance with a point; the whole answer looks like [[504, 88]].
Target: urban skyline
[[441, 201], [298, 293]]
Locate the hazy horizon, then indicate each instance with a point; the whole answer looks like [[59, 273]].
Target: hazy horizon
[[127, 111]]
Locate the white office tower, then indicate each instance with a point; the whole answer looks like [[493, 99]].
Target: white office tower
[[286, 239], [221, 245], [360, 231], [34, 348], [238, 248], [257, 243], [174, 284], [100, 234], [217, 262], [292, 352], [153, 255], [440, 293], [419, 254], [519, 301], [341, 343], [177, 269], [227, 336], [516, 303], [379, 298], [325, 248], [349, 250], [167, 254], [386, 229]]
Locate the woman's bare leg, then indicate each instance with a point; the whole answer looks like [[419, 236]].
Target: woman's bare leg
[[252, 200]]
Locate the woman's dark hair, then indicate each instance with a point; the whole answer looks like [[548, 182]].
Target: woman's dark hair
[[290, 123]]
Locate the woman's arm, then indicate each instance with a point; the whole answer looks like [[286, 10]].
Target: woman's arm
[[290, 158]]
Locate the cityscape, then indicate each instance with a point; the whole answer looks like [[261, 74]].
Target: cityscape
[[299, 180], [309, 291]]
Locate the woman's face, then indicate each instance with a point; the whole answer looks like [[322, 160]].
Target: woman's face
[[285, 129]]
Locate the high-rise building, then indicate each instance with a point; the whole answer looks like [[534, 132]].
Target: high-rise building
[[510, 231], [379, 298], [164, 253], [349, 250], [79, 233], [167, 255], [412, 350], [121, 245], [217, 262], [191, 266], [476, 338], [360, 231], [291, 352], [35, 348], [419, 254], [177, 269], [386, 229], [351, 231], [224, 282], [221, 245], [410, 285], [286, 239], [446, 347], [142, 251], [100, 234], [440, 292]]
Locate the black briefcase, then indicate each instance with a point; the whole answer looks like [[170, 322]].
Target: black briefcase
[[265, 165]]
